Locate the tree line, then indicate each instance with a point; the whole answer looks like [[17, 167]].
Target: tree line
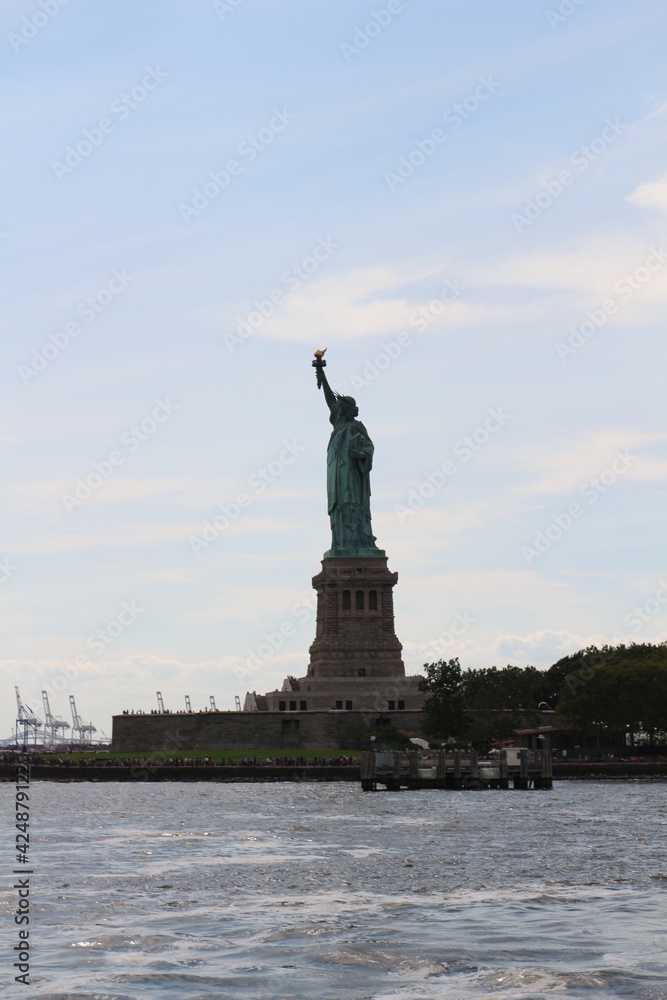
[[606, 692]]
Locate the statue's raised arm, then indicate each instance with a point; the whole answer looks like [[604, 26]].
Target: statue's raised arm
[[329, 394]]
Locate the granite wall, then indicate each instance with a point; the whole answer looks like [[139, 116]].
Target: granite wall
[[251, 730]]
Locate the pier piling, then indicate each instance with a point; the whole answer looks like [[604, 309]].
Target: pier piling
[[368, 771]]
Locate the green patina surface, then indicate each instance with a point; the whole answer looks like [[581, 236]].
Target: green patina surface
[[349, 463]]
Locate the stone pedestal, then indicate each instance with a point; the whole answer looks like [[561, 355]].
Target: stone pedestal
[[355, 634], [355, 661]]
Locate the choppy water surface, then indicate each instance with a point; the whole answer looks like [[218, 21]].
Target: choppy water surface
[[323, 891]]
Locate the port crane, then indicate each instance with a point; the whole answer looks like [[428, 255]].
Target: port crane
[[27, 720], [84, 730], [51, 723]]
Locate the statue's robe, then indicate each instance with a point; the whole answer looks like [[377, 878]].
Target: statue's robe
[[349, 462]]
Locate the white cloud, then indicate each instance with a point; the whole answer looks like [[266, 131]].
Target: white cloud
[[380, 301], [372, 302], [413, 540], [136, 535], [651, 194], [105, 689], [45, 495], [540, 649], [587, 270], [568, 464], [544, 646], [235, 602]]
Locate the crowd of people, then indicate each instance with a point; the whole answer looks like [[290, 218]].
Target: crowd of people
[[55, 759], [287, 761]]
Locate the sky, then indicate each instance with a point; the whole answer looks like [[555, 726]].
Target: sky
[[463, 201]]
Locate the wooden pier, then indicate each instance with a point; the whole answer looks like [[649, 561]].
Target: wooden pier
[[396, 769]]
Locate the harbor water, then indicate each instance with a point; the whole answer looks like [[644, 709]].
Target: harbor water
[[321, 891]]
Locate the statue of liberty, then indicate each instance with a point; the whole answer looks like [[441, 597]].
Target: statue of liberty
[[349, 463]]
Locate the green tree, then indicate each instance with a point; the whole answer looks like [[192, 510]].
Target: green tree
[[503, 700], [579, 667], [481, 704], [445, 712], [617, 690]]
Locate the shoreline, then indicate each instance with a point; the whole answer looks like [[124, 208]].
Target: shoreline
[[570, 770]]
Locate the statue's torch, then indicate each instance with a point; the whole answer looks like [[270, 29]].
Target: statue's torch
[[319, 364]]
